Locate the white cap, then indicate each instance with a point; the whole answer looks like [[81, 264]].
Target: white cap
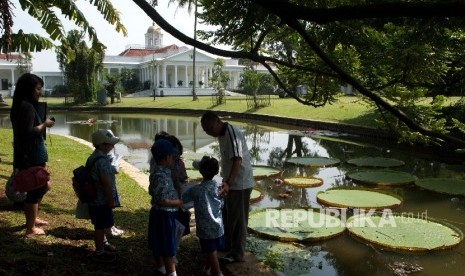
[[102, 136]]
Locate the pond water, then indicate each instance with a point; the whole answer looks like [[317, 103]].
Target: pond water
[[341, 255]]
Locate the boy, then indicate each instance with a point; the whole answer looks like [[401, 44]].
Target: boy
[[208, 218], [101, 208], [165, 203]]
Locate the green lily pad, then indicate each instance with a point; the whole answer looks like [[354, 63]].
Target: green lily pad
[[403, 232], [194, 175], [314, 161], [255, 196], [260, 172], [295, 224], [448, 186], [376, 162], [383, 177], [303, 182], [358, 198]]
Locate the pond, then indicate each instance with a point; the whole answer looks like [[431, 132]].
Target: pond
[[340, 255]]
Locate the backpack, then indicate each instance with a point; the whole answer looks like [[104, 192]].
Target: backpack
[[83, 184]]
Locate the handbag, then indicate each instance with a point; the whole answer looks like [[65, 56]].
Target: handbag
[[31, 179], [11, 193]]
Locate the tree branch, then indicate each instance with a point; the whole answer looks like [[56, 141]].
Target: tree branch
[[285, 9]]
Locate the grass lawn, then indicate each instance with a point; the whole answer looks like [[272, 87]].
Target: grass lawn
[[66, 248], [347, 109]]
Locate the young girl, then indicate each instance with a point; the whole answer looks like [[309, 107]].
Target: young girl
[[165, 203]]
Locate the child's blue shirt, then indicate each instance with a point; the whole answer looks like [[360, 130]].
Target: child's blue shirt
[[161, 187], [207, 205]]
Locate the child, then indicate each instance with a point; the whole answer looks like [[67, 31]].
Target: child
[[165, 203], [208, 218], [114, 159], [101, 208], [179, 175]]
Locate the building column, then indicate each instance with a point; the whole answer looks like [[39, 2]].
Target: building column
[[186, 82], [230, 82], [175, 76], [158, 77], [12, 76], [164, 75], [205, 77]]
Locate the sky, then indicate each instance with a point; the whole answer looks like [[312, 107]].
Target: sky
[[134, 19]]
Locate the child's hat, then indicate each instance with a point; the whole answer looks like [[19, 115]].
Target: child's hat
[[102, 136], [162, 148]]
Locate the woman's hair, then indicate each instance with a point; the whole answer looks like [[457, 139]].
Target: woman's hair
[[24, 91]]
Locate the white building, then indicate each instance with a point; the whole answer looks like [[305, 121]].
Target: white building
[[169, 69], [9, 73], [166, 69]]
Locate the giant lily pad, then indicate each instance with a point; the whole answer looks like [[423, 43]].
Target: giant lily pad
[[260, 172], [358, 198], [403, 232], [314, 161], [376, 162], [303, 182], [295, 224], [448, 186], [255, 196], [383, 177]]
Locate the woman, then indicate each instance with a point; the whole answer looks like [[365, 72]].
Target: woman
[[28, 143]]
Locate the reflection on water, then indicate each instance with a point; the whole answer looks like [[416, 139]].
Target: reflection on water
[[338, 256]]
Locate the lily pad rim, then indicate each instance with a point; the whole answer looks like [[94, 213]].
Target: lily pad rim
[[407, 249], [436, 191], [259, 198], [336, 162], [288, 239], [259, 177], [320, 183], [381, 170], [386, 192], [402, 163]]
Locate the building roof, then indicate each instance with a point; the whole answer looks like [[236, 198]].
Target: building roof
[[154, 28], [140, 52], [9, 57]]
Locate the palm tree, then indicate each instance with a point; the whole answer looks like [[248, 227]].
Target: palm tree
[[45, 11], [189, 3]]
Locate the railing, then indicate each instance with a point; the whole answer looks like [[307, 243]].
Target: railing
[[69, 99]]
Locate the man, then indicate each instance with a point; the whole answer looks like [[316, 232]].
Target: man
[[237, 184]]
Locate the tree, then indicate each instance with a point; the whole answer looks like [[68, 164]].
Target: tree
[[342, 42], [24, 64], [45, 11], [112, 82], [80, 66], [189, 4], [129, 80], [219, 79]]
